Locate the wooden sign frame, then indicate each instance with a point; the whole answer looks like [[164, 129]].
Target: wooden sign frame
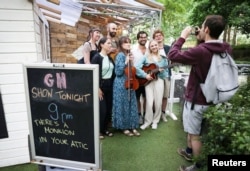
[[77, 145]]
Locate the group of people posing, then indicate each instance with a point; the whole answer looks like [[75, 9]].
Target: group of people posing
[[134, 82], [144, 71]]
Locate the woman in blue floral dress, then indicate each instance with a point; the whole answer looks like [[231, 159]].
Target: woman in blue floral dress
[[125, 112]]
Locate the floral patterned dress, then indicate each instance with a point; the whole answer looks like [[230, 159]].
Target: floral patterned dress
[[125, 112]]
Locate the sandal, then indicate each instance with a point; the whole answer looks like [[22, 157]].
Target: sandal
[[135, 132], [109, 134], [128, 133]]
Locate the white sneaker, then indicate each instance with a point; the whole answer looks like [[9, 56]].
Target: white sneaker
[[143, 127], [163, 117], [189, 168], [167, 112], [171, 115], [154, 126]]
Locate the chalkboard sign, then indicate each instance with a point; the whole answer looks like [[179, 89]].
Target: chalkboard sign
[[63, 113]]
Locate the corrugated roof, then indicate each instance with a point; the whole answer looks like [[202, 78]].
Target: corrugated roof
[[123, 12]]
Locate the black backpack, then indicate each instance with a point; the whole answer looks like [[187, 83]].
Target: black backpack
[[92, 53], [81, 61]]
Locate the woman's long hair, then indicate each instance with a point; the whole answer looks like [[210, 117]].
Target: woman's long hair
[[122, 40]]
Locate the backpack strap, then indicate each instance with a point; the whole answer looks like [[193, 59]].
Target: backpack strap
[[91, 46], [196, 90]]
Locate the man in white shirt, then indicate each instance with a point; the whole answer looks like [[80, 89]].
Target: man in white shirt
[[138, 52]]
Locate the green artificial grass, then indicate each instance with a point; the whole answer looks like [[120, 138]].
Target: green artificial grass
[[21, 167], [154, 150]]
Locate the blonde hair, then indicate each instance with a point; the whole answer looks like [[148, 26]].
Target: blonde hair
[[150, 54]]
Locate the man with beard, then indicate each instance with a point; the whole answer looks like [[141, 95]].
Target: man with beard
[[111, 34], [199, 58], [138, 52]]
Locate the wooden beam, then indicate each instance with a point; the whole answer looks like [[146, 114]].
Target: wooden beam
[[46, 13], [151, 4], [107, 1], [52, 19], [57, 2], [93, 18], [104, 19], [121, 3], [48, 8]]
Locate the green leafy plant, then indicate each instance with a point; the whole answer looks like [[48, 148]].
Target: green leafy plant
[[228, 126]]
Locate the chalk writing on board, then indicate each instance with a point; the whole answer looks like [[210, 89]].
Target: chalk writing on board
[[55, 120], [60, 80], [62, 95], [62, 113]]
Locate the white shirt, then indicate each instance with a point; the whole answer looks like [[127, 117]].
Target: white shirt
[[162, 52], [137, 53]]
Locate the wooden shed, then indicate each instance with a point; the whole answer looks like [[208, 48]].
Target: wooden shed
[[23, 36]]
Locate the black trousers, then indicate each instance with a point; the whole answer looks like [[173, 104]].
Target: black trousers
[[106, 107]]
